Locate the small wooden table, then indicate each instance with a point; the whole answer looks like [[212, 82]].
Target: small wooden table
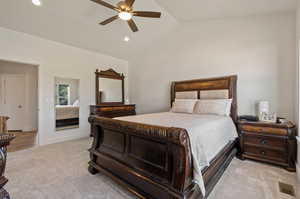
[[269, 142], [5, 139]]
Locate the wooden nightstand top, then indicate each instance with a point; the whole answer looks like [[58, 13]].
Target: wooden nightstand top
[[267, 124], [264, 127]]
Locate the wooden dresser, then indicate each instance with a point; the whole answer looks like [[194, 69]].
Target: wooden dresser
[[269, 142], [111, 111]]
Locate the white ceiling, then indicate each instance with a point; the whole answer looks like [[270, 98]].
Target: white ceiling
[[75, 22], [188, 10]]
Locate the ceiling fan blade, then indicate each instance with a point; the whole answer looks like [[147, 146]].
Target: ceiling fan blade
[[147, 14], [103, 3], [132, 25], [109, 20], [129, 2]]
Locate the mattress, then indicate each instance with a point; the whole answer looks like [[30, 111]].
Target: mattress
[[209, 134]]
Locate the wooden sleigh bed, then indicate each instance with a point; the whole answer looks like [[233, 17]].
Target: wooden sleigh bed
[[155, 162]]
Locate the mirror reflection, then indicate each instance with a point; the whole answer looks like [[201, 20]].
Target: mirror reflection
[[110, 90], [66, 103], [109, 87]]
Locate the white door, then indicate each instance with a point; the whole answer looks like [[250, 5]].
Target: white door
[[13, 100]]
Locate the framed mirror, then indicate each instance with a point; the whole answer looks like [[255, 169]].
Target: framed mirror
[[66, 103], [109, 87]]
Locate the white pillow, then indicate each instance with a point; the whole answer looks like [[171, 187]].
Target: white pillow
[[183, 105], [213, 106], [76, 103], [187, 95]]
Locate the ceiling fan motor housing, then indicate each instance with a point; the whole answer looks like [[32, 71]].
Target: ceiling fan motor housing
[[124, 7]]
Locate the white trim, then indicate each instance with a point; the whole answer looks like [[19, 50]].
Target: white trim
[[298, 171], [298, 161]]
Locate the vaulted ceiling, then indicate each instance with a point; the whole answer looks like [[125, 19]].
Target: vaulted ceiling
[[75, 22], [188, 10]]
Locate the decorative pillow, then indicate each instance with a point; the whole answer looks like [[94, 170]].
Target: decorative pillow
[[183, 105], [187, 95], [214, 94], [213, 106]]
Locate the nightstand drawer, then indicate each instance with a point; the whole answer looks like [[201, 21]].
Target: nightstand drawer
[[265, 141], [260, 129], [264, 153]]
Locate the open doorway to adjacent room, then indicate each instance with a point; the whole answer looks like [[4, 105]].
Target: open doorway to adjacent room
[[19, 101]]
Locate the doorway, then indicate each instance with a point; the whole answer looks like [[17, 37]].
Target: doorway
[[13, 100], [19, 101]]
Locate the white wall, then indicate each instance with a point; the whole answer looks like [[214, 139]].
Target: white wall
[[58, 60], [31, 90], [298, 83], [260, 50]]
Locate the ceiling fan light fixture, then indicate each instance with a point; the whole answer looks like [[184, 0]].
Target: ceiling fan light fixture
[[37, 2], [125, 16], [126, 39]]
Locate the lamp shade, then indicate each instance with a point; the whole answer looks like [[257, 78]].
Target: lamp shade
[[263, 107]]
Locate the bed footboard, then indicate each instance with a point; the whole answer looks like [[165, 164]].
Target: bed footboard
[[150, 161]]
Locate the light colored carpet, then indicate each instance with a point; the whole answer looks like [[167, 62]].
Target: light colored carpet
[[59, 171]]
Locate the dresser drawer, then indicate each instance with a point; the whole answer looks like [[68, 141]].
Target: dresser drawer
[[117, 114], [265, 141], [260, 129], [267, 154]]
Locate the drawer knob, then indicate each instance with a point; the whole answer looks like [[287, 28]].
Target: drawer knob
[[263, 152], [264, 142]]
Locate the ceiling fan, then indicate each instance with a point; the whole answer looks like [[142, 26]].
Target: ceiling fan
[[125, 12]]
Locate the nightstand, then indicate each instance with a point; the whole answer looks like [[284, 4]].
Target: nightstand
[[268, 142]]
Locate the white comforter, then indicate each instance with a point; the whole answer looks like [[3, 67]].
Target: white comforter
[[208, 134]]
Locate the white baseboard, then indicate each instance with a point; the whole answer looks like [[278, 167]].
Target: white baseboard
[[63, 139], [62, 136]]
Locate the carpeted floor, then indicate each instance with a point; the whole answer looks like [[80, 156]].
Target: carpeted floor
[[59, 171]]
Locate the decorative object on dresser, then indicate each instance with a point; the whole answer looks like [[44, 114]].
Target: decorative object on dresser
[[264, 112], [273, 143], [155, 161], [5, 139], [110, 96]]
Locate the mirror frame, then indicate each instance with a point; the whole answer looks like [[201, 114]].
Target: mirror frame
[[109, 74]]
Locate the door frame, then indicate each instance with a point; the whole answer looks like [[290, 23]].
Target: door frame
[[37, 65]]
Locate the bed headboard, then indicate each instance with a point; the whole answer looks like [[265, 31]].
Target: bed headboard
[[212, 88]]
